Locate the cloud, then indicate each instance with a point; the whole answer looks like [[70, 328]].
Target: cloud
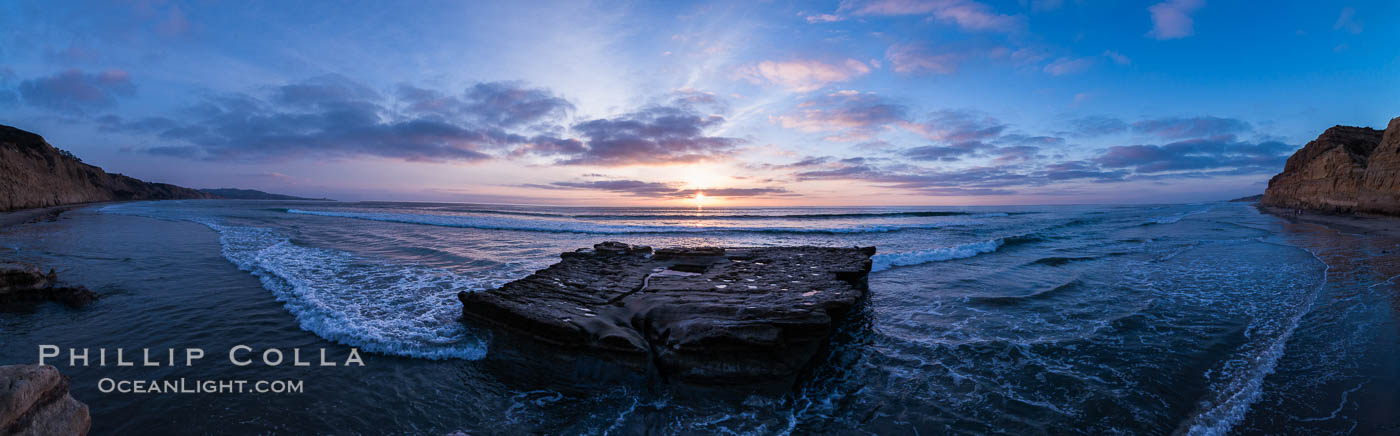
[[947, 153], [654, 135], [1064, 66], [1194, 127], [637, 188], [956, 126], [1171, 19], [966, 14], [1117, 58], [805, 75], [968, 181], [331, 116], [823, 18], [1200, 154], [1080, 170], [1004, 148], [1347, 21], [505, 104], [75, 91], [175, 23], [1018, 164], [856, 116], [915, 58], [1217, 153]]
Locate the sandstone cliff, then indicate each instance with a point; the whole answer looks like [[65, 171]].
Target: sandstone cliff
[[34, 400], [35, 174], [1380, 189], [1346, 169]]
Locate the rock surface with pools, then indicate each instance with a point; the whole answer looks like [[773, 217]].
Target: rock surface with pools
[[706, 316]]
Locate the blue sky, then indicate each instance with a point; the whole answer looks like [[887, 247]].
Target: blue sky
[[753, 103]]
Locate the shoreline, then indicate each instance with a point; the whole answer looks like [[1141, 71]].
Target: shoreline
[[1360, 224], [26, 216]]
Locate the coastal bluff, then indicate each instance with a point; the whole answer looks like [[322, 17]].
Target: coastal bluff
[[35, 174], [703, 315], [1345, 170]]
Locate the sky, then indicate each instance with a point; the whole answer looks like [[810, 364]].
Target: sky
[[879, 102]]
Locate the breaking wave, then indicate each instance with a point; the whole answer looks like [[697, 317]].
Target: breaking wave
[[560, 226], [890, 260], [693, 215], [399, 310]]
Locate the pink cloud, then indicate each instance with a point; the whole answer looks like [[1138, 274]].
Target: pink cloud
[[853, 115], [967, 14], [909, 58], [805, 75], [1171, 19]]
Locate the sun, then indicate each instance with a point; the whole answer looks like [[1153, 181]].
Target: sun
[[699, 199]]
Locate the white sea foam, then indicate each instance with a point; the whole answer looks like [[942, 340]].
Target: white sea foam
[[889, 260], [400, 310], [1240, 392], [567, 226]]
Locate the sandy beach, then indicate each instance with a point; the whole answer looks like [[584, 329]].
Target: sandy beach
[[25, 216], [1360, 224]]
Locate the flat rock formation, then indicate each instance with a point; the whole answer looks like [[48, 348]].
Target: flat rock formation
[[1346, 169], [708, 316], [35, 174], [34, 400], [24, 284]]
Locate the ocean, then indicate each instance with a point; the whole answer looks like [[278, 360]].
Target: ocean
[[1207, 318]]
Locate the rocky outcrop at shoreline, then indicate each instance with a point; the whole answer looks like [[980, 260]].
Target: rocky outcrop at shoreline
[[26, 284], [1346, 169], [34, 400], [710, 316], [35, 174]]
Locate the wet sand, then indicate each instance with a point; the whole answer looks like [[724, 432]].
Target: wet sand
[[25, 216], [1359, 224]]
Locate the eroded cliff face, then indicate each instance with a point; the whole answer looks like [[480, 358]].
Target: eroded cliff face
[[1346, 169], [1380, 189], [35, 174]]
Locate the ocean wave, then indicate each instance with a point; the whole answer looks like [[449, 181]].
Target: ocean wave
[[702, 215], [560, 226], [815, 216], [1015, 299], [1173, 219], [400, 310]]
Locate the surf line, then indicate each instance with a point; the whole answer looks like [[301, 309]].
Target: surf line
[[1219, 418]]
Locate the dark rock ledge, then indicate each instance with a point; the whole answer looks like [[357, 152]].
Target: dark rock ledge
[[34, 400], [709, 316], [26, 284]]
